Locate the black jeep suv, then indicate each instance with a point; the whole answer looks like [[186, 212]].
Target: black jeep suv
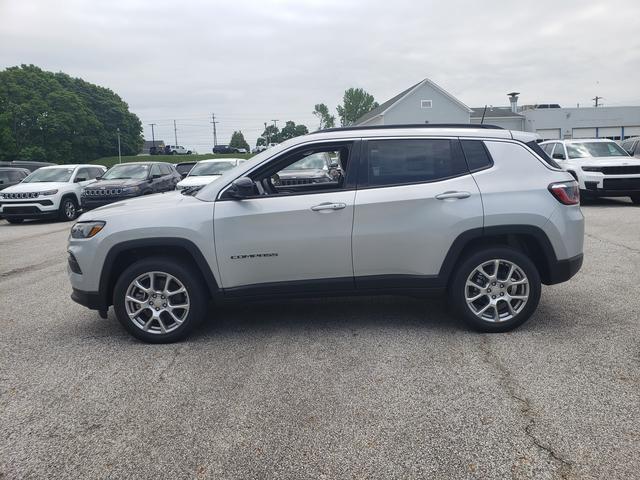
[[127, 180]]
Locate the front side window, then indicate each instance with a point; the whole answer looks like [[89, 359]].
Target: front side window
[[395, 162], [121, 172], [55, 174], [595, 149], [558, 152], [7, 176]]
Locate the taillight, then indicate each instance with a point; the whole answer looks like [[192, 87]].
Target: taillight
[[566, 192]]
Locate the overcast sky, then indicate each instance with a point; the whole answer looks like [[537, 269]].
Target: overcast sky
[[253, 61]]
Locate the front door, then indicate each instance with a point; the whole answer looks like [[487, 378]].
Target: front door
[[297, 226]]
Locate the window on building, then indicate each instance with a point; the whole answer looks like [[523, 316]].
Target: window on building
[[426, 103]]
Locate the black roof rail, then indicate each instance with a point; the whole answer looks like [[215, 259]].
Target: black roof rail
[[412, 125]]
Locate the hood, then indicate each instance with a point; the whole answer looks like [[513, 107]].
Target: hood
[[307, 173], [33, 187], [125, 182], [137, 205], [606, 161], [197, 180]]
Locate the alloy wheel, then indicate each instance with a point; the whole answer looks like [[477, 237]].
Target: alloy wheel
[[497, 290], [157, 302], [70, 209]]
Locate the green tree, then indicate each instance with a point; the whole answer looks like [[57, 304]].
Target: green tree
[[355, 103], [326, 119], [271, 134], [238, 141], [291, 130], [54, 117]]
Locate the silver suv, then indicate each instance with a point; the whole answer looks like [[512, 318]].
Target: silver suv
[[481, 213]]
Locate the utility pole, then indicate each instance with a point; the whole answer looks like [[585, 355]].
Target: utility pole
[[119, 153], [175, 134], [596, 98], [275, 123], [153, 137], [215, 134], [267, 132]]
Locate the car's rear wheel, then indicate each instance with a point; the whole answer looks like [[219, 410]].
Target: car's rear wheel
[[15, 220], [68, 209], [496, 289], [159, 300]]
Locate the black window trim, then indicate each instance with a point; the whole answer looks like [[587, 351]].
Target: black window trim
[[363, 180], [351, 179]]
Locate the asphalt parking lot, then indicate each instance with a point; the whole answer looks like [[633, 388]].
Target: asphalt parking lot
[[379, 387]]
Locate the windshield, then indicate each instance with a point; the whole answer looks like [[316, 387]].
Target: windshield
[[211, 168], [60, 174], [595, 149], [138, 172], [316, 161]]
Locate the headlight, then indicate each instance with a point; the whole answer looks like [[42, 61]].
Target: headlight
[[135, 189], [49, 192], [86, 229]]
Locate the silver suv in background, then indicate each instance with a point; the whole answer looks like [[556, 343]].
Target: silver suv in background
[[478, 212]]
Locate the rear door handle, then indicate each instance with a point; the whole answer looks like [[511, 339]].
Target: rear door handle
[[328, 206], [453, 195]]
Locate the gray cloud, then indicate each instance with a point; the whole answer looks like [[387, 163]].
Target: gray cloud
[[253, 61]]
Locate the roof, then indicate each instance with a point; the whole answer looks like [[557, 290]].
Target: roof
[[382, 109], [495, 112]]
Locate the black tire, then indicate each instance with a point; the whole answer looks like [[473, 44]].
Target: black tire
[[635, 199], [68, 209], [15, 220], [457, 289], [197, 297]]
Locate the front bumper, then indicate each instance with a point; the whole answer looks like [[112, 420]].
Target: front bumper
[[35, 209], [89, 203], [611, 185]]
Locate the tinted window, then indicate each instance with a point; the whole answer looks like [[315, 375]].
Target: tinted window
[[559, 151], [476, 154], [547, 147], [541, 153], [393, 162], [155, 170], [165, 169]]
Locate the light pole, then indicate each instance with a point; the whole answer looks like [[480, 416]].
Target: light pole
[[119, 153]]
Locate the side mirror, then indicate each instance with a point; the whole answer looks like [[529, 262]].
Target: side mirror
[[242, 187], [99, 177], [558, 156]]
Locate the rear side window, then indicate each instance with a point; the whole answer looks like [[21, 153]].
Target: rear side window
[[536, 148], [396, 162], [476, 154]]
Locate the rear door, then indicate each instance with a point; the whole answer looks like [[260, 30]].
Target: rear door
[[414, 198]]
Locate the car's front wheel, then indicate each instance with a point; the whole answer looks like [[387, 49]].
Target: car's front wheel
[[159, 300], [496, 289], [68, 209]]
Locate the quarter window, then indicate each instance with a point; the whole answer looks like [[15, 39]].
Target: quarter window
[[476, 154], [394, 162]]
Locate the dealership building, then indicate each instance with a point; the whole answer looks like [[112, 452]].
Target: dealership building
[[426, 102]]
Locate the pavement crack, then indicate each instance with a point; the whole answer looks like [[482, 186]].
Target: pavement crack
[[30, 268], [174, 358], [604, 240], [507, 382]]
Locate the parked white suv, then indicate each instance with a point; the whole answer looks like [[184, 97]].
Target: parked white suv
[[601, 167], [206, 171], [177, 150], [48, 192], [481, 213]]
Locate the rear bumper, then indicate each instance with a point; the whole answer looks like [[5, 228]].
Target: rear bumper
[[563, 270]]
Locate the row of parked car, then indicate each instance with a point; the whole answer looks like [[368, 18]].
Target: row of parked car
[[601, 167]]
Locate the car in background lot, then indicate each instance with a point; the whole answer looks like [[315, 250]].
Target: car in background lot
[[601, 167], [12, 176], [184, 168], [128, 180], [48, 192], [259, 148], [206, 171], [632, 146], [28, 164], [478, 212], [227, 149], [176, 150]]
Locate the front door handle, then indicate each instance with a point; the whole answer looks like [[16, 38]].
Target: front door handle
[[453, 195], [328, 206]]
